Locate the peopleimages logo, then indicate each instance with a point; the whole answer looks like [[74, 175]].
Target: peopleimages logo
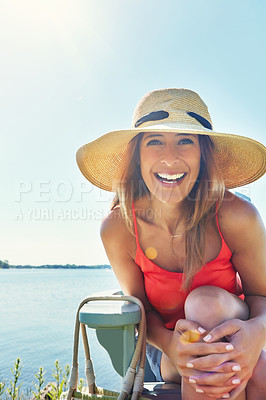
[[62, 191], [59, 200]]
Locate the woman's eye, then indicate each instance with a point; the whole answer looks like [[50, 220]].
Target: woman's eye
[[185, 141], [154, 142]]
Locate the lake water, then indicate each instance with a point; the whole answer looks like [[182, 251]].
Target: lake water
[[37, 315]]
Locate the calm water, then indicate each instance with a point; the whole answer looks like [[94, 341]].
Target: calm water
[[37, 314]]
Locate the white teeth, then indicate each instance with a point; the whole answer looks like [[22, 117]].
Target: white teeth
[[170, 177]]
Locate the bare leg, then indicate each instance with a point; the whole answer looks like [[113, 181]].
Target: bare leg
[[256, 388], [205, 305]]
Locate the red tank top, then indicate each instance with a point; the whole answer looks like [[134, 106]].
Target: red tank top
[[163, 288]]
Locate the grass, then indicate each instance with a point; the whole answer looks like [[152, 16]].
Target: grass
[[11, 390]]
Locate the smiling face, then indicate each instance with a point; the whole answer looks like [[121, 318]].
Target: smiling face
[[170, 164]]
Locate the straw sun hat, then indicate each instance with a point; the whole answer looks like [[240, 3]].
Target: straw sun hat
[[240, 160]]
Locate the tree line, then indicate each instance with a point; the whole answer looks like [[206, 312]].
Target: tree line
[[6, 265]]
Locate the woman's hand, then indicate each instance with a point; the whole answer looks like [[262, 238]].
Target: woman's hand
[[186, 344], [247, 342], [187, 341]]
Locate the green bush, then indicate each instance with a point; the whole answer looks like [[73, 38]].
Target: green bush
[[13, 390], [39, 386], [61, 381]]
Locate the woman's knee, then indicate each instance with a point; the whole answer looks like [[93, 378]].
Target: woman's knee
[[211, 305]]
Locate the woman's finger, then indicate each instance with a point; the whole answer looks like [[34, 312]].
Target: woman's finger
[[233, 390], [184, 325], [214, 362], [226, 329], [228, 367], [215, 379], [233, 395], [204, 349], [212, 391]]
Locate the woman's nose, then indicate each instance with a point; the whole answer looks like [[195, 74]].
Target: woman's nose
[[169, 156]]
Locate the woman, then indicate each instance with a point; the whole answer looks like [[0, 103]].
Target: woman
[[190, 250]]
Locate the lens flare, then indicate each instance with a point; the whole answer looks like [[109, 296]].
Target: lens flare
[[151, 253], [190, 336]]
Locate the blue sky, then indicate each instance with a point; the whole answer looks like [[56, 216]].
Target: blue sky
[[73, 70]]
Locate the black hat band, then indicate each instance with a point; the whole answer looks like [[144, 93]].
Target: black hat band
[[159, 115]]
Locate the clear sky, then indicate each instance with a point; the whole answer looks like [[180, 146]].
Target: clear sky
[[73, 70]]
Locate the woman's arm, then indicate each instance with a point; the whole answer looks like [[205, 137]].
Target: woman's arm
[[244, 233], [249, 259], [120, 247]]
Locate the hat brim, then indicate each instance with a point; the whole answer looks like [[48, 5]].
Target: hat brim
[[240, 160]]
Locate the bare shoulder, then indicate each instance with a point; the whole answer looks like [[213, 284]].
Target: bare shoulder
[[120, 247], [115, 234], [112, 223], [239, 219], [244, 234], [237, 212]]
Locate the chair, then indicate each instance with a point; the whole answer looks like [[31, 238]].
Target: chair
[[114, 322]]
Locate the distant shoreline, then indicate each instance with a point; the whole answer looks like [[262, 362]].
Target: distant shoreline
[[67, 266]]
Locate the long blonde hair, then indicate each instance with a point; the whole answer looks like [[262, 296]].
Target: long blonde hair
[[200, 205]]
